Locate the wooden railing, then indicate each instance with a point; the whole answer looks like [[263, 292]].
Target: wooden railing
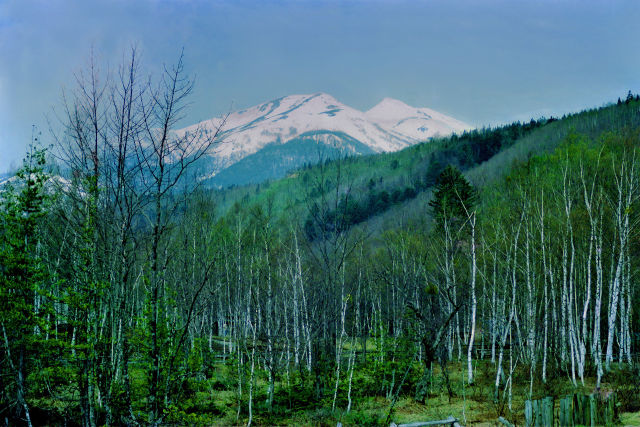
[[451, 421]]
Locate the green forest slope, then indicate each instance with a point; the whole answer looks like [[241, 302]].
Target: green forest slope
[[458, 277], [392, 184]]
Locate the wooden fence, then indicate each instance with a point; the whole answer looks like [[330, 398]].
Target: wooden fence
[[539, 412], [573, 410]]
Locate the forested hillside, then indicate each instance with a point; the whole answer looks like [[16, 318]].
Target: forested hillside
[[475, 272]]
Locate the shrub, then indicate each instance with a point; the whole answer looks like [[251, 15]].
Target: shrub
[[625, 382], [365, 418]]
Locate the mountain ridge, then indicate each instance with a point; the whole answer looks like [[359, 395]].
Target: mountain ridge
[[389, 126]]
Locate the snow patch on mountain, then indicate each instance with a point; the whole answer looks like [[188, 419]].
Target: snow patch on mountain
[[413, 123], [53, 183], [389, 126]]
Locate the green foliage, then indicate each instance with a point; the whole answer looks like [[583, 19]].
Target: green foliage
[[365, 418], [22, 272], [252, 261], [454, 198], [176, 415], [24, 280], [624, 380]]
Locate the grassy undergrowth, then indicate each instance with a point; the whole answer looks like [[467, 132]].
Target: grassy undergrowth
[[215, 400]]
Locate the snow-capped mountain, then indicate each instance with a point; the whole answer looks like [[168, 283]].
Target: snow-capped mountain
[[293, 127], [52, 184]]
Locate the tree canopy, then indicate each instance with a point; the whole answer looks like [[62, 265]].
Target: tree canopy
[[453, 196]]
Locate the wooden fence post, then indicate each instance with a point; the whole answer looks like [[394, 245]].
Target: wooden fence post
[[537, 406], [528, 413], [581, 410], [574, 410], [547, 411], [593, 410], [565, 412], [586, 410], [576, 406], [609, 409]]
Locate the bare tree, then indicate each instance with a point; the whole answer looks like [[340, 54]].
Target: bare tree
[[165, 158]]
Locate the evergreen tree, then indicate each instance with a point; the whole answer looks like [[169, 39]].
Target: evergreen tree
[[22, 281], [629, 97], [453, 196]]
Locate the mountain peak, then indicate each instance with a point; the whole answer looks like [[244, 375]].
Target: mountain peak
[[389, 126], [405, 118], [307, 97], [390, 107], [392, 102]]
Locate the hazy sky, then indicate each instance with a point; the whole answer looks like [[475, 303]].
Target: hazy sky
[[483, 62]]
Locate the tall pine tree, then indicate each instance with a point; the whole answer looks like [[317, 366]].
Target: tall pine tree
[[453, 196], [22, 280]]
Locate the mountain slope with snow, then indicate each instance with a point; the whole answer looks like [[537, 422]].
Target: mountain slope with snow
[[389, 126]]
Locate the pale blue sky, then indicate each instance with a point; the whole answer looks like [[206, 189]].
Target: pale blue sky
[[483, 62]]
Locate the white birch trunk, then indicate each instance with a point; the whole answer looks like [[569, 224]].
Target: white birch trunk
[[473, 299], [626, 189]]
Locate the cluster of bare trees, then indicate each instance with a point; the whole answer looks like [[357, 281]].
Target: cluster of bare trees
[[143, 282], [112, 228]]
